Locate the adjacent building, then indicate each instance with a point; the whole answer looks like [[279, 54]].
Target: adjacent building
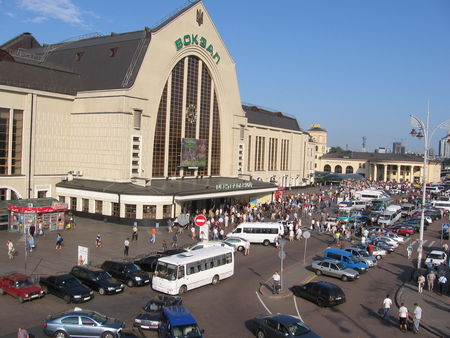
[[444, 146]]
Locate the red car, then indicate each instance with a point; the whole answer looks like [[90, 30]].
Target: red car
[[402, 230], [20, 286]]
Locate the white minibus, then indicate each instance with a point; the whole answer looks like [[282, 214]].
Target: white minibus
[[389, 217], [258, 232], [444, 205], [189, 270], [370, 194]]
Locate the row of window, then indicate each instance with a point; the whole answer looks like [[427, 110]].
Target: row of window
[[11, 129], [209, 263], [259, 230], [338, 169]]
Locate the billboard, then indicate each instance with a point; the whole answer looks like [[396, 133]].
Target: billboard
[[194, 153]]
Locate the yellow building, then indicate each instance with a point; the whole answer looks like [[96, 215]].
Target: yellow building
[[140, 125]]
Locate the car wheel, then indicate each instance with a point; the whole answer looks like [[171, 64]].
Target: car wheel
[[318, 272], [2, 292], [378, 257], [60, 334], [260, 334], [240, 248], [45, 289], [183, 289], [101, 291], [67, 299], [320, 301], [344, 278], [20, 299], [406, 235], [215, 280], [130, 283], [108, 335], [266, 242]]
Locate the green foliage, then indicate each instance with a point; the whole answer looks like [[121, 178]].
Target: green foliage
[[339, 150]]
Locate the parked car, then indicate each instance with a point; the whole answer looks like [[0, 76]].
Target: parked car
[[237, 242], [385, 239], [321, 293], [395, 237], [427, 219], [150, 319], [128, 273], [149, 263], [364, 256], [20, 286], [402, 230], [346, 258], [437, 257], [66, 287], [82, 323], [378, 253], [334, 268], [97, 279], [178, 322], [279, 325], [382, 244]]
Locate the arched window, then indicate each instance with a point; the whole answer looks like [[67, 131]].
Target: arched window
[[327, 168], [338, 169], [194, 104], [349, 169]]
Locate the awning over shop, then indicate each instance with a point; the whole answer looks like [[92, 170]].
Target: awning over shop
[[323, 176]]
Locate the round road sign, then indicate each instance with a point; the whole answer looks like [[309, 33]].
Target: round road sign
[[306, 234], [183, 219], [200, 220], [281, 255]]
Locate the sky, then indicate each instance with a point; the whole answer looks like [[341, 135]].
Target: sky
[[359, 68]]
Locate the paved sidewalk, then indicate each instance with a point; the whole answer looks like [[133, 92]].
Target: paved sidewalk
[[435, 308], [47, 260]]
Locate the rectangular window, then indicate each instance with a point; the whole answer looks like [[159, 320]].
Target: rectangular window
[[115, 209], [17, 130], [62, 199], [73, 203], [249, 153], [98, 207], [167, 211], [136, 155], [85, 205], [130, 210], [137, 117], [149, 211], [42, 194], [4, 140]]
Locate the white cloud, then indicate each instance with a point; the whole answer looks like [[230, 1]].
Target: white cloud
[[63, 10], [10, 14]]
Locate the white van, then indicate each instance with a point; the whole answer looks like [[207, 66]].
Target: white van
[[389, 217], [407, 209], [370, 194], [258, 232], [349, 206]]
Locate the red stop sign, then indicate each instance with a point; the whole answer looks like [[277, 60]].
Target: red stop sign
[[200, 220]]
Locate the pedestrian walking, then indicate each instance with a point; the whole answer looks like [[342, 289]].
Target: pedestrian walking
[[193, 232], [31, 243], [11, 249], [164, 245], [417, 316], [22, 333], [442, 281], [431, 277], [134, 235], [175, 240], [246, 248], [41, 229], [409, 250], [403, 317], [126, 244], [32, 229], [98, 241], [153, 238], [420, 283], [276, 283], [59, 241], [387, 303], [298, 233]]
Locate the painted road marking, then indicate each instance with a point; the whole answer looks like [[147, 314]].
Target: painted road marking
[[309, 279], [267, 309], [431, 244], [296, 308]]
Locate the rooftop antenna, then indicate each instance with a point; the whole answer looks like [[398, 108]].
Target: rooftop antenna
[[364, 140]]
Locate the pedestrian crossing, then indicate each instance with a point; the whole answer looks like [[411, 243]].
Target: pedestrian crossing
[[426, 243]]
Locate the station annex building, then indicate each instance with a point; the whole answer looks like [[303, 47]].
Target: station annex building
[[140, 125]]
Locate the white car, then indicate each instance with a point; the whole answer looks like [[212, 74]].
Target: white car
[[236, 242], [388, 240], [436, 257], [395, 237], [207, 244]]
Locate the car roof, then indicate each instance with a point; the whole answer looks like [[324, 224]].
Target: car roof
[[15, 276], [438, 252], [89, 268], [179, 315], [326, 285], [284, 319]]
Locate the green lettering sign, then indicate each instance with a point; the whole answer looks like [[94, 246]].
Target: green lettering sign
[[192, 39], [178, 44], [202, 42], [187, 40]]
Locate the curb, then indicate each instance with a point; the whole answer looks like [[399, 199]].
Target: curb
[[423, 325], [281, 295]]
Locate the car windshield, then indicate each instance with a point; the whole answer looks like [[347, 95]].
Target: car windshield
[[101, 275], [99, 318], [363, 253], [71, 282], [297, 329], [23, 283], [153, 306], [166, 271], [132, 268], [341, 266], [186, 331], [435, 256]]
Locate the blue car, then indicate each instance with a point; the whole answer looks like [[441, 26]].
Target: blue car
[[177, 322], [347, 259]]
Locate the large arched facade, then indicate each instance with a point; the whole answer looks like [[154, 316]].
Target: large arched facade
[[199, 119]]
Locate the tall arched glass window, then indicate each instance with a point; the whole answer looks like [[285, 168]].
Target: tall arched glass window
[[188, 109], [338, 169]]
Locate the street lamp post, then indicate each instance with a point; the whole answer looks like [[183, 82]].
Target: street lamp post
[[423, 132]]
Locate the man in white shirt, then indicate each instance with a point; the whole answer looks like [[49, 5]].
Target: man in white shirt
[[417, 316], [276, 282], [403, 317], [387, 303]]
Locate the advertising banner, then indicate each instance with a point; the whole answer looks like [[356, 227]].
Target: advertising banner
[[194, 153], [83, 255]]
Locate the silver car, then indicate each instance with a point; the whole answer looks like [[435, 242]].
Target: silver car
[[364, 256], [334, 268]]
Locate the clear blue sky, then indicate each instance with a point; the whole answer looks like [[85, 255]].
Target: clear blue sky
[[357, 67]]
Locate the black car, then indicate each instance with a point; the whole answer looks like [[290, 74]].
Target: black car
[[321, 293], [128, 273], [151, 318], [149, 263], [97, 279], [278, 325], [66, 287]]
